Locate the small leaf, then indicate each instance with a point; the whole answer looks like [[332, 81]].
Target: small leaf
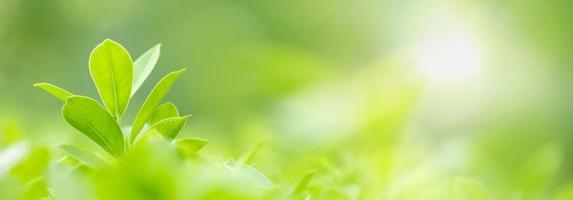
[[111, 69], [83, 156], [152, 100], [143, 66], [163, 111], [54, 90], [302, 185], [169, 127], [248, 157], [90, 118], [190, 146]]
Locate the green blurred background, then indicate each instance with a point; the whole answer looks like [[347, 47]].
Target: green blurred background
[[330, 83]]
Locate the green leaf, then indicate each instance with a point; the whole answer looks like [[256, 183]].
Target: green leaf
[[87, 116], [163, 111], [111, 69], [302, 185], [153, 99], [67, 160], [12, 155], [169, 127], [54, 90], [143, 66], [83, 156], [190, 146], [248, 157]]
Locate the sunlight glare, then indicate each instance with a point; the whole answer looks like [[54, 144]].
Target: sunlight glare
[[452, 55]]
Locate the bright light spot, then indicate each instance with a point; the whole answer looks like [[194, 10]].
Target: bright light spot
[[450, 55]]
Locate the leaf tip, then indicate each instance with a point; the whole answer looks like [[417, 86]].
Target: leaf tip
[[181, 70], [37, 85]]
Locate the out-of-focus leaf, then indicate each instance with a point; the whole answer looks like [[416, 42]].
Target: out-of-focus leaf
[[540, 167], [83, 156], [467, 189], [90, 118], [67, 184], [163, 111], [10, 156], [69, 161], [250, 173], [248, 157], [303, 183], [54, 90], [143, 66], [169, 127], [190, 146], [36, 189], [152, 100], [32, 166], [11, 188], [111, 69], [12, 133]]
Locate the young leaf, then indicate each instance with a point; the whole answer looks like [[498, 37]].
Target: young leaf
[[163, 111], [303, 183], [190, 146], [54, 90], [143, 66], [83, 156], [111, 69], [169, 127], [152, 100], [90, 118]]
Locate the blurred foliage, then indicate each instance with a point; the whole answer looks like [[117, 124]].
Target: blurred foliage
[[323, 87]]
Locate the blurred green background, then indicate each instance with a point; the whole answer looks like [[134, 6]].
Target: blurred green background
[[395, 98]]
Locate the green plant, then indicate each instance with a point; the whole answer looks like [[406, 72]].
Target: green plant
[[151, 162], [117, 79]]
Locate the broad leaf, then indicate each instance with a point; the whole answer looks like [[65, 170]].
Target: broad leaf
[[153, 99], [54, 90], [163, 111], [83, 156], [111, 69], [143, 66], [87, 116], [170, 127], [190, 146]]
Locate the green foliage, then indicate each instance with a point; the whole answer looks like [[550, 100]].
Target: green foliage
[[303, 184], [163, 111], [190, 146], [169, 127], [112, 72], [84, 156], [146, 166], [152, 101]]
